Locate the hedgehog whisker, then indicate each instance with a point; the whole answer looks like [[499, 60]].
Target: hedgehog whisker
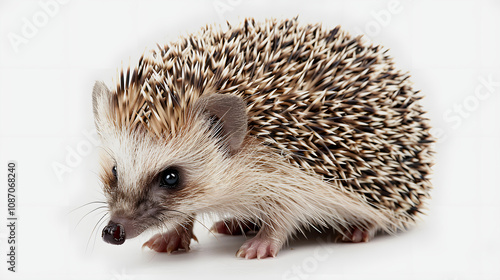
[[91, 211], [88, 203], [96, 233], [94, 229]]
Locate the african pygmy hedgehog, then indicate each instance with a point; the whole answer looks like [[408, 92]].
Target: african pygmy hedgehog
[[274, 126]]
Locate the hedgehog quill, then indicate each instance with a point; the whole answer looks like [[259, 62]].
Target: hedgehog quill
[[278, 127]]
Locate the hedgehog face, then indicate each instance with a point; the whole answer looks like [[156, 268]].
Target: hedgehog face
[[149, 182], [155, 182]]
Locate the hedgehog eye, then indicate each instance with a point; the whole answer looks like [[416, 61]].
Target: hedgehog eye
[[169, 178], [115, 173]]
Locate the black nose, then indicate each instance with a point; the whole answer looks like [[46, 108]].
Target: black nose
[[113, 233]]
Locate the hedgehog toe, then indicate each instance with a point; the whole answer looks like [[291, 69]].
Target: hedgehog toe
[[259, 247], [357, 235], [169, 242]]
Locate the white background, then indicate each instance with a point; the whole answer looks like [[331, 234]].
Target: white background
[[47, 73]]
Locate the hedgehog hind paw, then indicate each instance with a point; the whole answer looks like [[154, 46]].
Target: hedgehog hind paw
[[356, 235], [233, 227]]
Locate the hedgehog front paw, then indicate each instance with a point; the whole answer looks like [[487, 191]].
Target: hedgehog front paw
[[259, 247], [170, 241], [233, 227]]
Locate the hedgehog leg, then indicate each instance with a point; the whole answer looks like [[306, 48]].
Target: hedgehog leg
[[234, 227], [357, 235], [266, 243], [173, 240]]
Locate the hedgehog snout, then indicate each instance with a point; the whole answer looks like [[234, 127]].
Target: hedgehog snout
[[117, 230], [113, 233]]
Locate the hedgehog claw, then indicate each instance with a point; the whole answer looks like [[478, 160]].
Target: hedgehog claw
[[259, 247], [356, 235], [169, 242]]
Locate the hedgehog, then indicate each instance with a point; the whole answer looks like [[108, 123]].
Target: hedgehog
[[277, 128]]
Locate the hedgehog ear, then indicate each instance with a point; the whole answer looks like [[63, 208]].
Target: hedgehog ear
[[230, 110], [100, 102]]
